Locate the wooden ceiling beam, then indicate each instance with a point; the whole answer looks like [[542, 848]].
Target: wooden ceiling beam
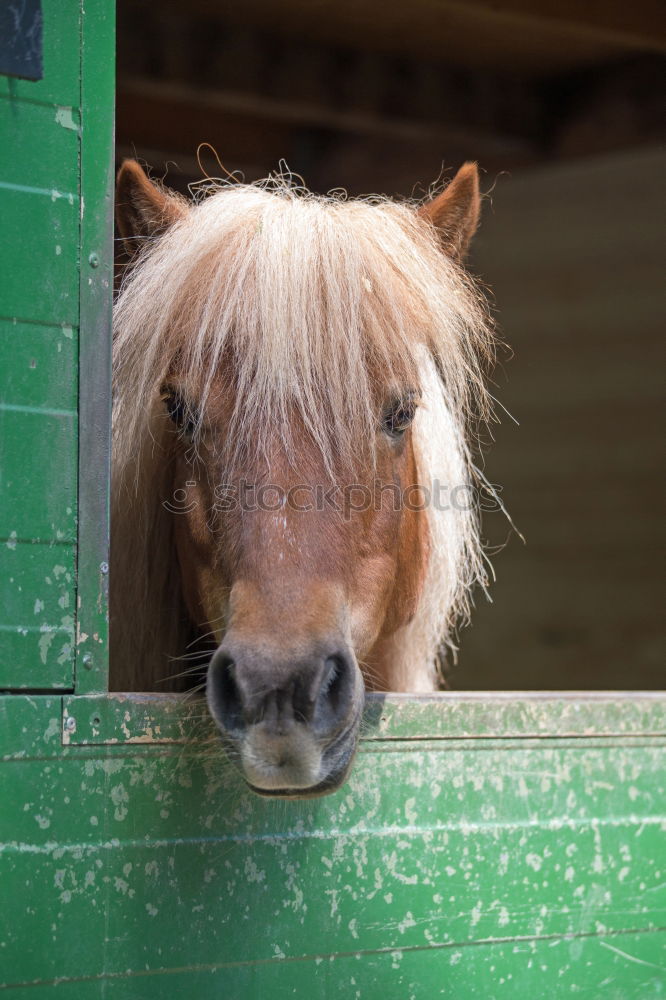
[[533, 37], [637, 25], [192, 106]]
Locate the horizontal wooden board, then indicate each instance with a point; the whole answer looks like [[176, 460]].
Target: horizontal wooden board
[[38, 459], [40, 234], [152, 718], [37, 595], [615, 966], [38, 366], [61, 35], [27, 127], [490, 854]]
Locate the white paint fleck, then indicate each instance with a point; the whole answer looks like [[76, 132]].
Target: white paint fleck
[[52, 730], [252, 872], [411, 814], [44, 644], [120, 798], [65, 118]]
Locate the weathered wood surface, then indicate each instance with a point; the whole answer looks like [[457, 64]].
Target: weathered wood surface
[[55, 267], [39, 340], [468, 856]]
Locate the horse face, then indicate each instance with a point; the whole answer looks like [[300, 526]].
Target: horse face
[[304, 578], [299, 576]]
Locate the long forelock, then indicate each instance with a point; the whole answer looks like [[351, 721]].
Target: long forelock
[[322, 304]]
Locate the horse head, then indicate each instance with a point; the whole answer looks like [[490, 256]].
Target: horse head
[[291, 372]]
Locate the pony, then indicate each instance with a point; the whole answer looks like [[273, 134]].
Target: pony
[[297, 382]]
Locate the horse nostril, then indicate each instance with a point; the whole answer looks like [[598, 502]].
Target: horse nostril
[[333, 682], [335, 692], [224, 696]]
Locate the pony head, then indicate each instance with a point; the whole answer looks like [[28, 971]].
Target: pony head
[[293, 380]]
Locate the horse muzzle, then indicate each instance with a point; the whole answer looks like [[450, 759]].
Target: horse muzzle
[[290, 724]]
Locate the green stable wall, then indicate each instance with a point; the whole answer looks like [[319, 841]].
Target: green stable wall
[[485, 846]]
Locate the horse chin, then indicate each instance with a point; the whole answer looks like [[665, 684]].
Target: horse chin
[[267, 782], [331, 783]]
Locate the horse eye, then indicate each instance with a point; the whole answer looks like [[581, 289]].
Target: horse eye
[[183, 416], [397, 418]]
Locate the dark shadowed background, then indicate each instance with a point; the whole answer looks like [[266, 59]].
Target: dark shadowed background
[[560, 104]]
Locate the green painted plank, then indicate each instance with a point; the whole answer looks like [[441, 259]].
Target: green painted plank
[[467, 715], [38, 282], [30, 725], [38, 366], [615, 967], [37, 598], [38, 469], [583, 785], [61, 37], [27, 128], [610, 967], [97, 187], [335, 893], [151, 718]]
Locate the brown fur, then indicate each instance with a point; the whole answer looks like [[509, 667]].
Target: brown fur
[[286, 325]]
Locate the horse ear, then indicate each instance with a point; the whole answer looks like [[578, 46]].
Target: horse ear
[[455, 212], [143, 210]]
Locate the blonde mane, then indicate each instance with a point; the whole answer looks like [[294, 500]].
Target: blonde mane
[[311, 297]]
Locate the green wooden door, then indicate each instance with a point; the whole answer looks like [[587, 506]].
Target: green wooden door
[[55, 274]]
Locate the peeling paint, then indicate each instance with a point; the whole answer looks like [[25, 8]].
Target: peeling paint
[[65, 118]]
